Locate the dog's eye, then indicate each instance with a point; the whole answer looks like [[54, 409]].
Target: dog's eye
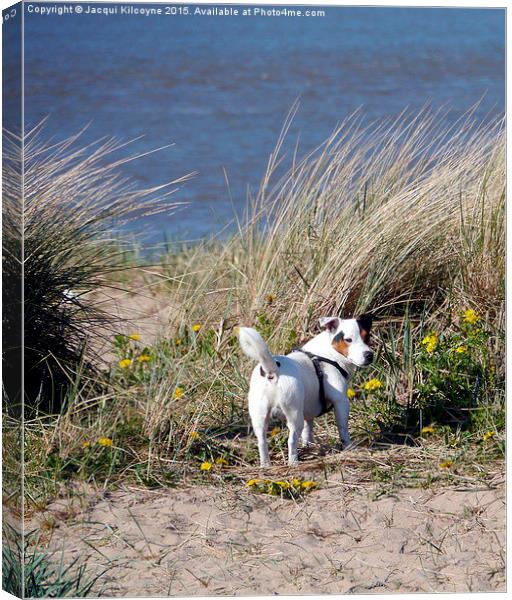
[[348, 340]]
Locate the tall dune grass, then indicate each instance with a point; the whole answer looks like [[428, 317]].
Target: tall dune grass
[[403, 218], [74, 199], [410, 210]]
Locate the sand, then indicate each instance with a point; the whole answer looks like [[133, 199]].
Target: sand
[[226, 540]]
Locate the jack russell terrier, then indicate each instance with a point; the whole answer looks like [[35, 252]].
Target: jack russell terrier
[[307, 382]]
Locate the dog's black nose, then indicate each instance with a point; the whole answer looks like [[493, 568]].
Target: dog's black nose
[[368, 356]]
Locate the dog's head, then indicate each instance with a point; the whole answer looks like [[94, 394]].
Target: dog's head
[[350, 338]]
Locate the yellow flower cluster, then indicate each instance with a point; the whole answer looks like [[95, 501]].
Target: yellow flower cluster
[[208, 466], [196, 327], [351, 393], [461, 350], [372, 385], [430, 342], [296, 484], [284, 485], [178, 393], [275, 431], [488, 435], [135, 337], [125, 363], [102, 441], [308, 485], [471, 316], [428, 429]]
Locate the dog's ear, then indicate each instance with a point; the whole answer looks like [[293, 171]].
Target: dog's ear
[[365, 322], [329, 323]]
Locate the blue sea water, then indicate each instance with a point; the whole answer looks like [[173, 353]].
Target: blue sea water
[[219, 88]]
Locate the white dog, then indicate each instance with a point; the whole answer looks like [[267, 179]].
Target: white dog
[[307, 382]]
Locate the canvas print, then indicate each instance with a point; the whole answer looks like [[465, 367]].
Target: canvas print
[[253, 299]]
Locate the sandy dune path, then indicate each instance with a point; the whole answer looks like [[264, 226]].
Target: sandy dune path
[[224, 540]]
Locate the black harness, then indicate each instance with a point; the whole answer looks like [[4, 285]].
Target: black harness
[[316, 360]]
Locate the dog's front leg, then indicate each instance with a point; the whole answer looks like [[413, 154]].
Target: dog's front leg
[[341, 410], [307, 433]]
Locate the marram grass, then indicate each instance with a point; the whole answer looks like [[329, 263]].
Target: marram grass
[[74, 199]]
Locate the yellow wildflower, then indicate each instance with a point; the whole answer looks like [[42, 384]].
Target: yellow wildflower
[[308, 485], [135, 337], [105, 441], [269, 298], [430, 342], [206, 466], [428, 429], [461, 350], [196, 327], [471, 316], [194, 435], [446, 464], [351, 393], [86, 444], [284, 485], [125, 363], [488, 435], [178, 393], [221, 461], [275, 431], [252, 482], [296, 482], [144, 358], [372, 385]]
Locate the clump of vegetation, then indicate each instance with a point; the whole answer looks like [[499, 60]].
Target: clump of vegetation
[[451, 378], [32, 572], [293, 489], [74, 198]]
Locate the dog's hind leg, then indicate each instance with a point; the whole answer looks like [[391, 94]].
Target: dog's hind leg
[[295, 422], [307, 433], [260, 429], [259, 411]]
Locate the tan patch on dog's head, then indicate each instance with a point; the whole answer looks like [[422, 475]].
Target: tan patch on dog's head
[[339, 344]]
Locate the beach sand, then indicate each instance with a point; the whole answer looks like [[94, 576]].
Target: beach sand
[[342, 538]]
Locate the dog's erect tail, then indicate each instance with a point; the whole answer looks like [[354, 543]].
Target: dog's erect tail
[[253, 345]]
